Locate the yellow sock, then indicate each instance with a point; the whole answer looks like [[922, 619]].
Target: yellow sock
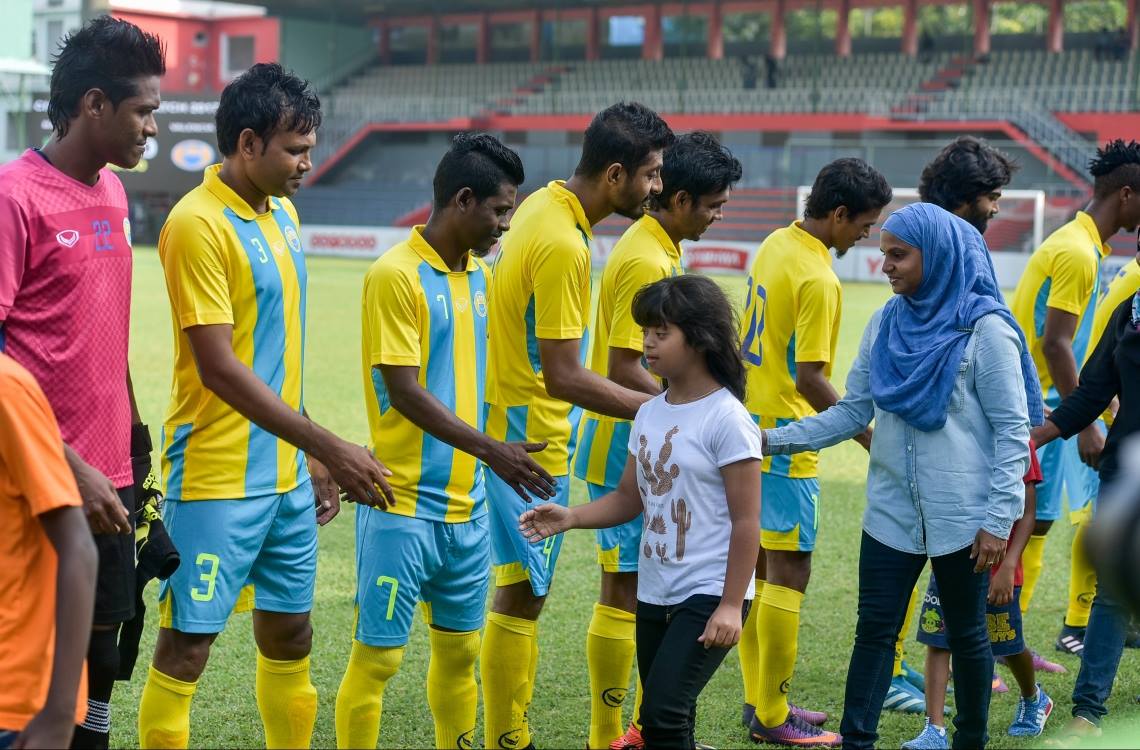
[[286, 700], [528, 691], [1082, 581], [778, 625], [452, 693], [509, 644], [360, 698], [164, 711], [1032, 561], [749, 648], [636, 719], [609, 656], [901, 642]]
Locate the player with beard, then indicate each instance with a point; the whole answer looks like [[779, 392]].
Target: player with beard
[[65, 303], [425, 359], [696, 179], [789, 333], [537, 383]]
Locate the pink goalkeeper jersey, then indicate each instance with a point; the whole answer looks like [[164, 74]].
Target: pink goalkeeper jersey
[[65, 300]]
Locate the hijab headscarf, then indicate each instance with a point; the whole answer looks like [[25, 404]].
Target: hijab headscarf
[[922, 337]]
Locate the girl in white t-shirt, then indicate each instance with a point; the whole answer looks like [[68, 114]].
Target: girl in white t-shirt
[[694, 470]]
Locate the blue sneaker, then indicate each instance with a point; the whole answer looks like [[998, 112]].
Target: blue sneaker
[[930, 738], [904, 697], [913, 676], [1032, 713]]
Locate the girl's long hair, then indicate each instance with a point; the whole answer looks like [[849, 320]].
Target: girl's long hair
[[697, 306]]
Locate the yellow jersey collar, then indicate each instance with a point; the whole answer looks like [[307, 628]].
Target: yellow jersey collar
[[1089, 226], [417, 242], [809, 240], [233, 201], [558, 189], [654, 227]]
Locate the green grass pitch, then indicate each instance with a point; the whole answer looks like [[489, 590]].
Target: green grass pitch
[[225, 713]]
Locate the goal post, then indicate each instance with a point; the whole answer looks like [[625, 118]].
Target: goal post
[[1019, 226]]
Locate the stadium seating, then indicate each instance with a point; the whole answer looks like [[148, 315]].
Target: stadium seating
[[876, 83]]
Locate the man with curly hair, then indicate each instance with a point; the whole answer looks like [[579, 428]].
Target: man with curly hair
[[1054, 303]]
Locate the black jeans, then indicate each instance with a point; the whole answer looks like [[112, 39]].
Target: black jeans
[[886, 578], [674, 668]]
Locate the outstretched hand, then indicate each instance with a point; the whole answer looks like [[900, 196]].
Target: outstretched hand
[[545, 521]]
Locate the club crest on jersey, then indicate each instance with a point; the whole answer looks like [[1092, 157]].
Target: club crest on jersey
[[68, 237], [127, 225], [293, 240], [480, 304]]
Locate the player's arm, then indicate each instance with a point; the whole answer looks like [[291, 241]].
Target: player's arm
[[352, 467], [560, 323], [611, 509], [817, 317], [1057, 346], [568, 380], [814, 386], [1099, 385], [626, 369], [625, 365], [509, 460], [1074, 281], [77, 561]]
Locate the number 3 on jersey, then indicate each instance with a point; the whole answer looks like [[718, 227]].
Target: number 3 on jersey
[[755, 302]]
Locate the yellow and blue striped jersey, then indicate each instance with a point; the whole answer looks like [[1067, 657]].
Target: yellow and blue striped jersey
[[540, 289], [226, 265], [418, 313], [643, 255], [1123, 286], [1064, 273], [792, 310]]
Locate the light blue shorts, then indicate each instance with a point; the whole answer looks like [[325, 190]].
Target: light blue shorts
[[789, 513], [401, 561], [514, 558], [268, 541], [1065, 475], [618, 547]]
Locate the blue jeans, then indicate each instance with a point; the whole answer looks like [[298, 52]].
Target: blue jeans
[[1104, 644], [886, 578], [7, 737]]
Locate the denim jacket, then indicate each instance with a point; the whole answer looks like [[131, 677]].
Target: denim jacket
[[929, 492]]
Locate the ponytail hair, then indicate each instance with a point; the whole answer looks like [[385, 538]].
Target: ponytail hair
[[699, 307]]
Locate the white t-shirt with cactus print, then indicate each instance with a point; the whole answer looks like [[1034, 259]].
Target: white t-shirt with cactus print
[[679, 450]]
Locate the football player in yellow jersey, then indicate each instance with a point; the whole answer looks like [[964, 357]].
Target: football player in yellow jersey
[[789, 333], [243, 504], [537, 382], [1055, 304], [424, 366], [1082, 575], [696, 181]]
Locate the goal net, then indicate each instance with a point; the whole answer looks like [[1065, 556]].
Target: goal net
[[1019, 226]]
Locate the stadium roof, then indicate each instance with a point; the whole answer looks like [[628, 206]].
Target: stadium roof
[[349, 9]]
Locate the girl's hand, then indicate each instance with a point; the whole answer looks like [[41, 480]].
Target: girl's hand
[[723, 628], [544, 521], [1001, 587]]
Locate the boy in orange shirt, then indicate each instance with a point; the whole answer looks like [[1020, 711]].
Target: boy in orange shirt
[[49, 560]]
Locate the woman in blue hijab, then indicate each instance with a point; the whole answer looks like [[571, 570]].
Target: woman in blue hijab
[[944, 372]]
